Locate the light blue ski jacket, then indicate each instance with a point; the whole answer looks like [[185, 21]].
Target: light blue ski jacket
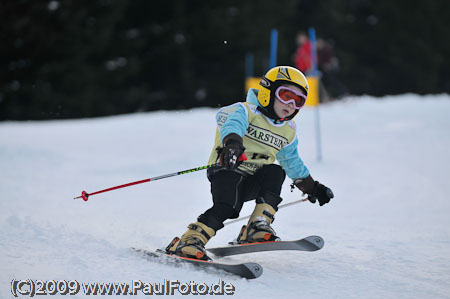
[[238, 122]]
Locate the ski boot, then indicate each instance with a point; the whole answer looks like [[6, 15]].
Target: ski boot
[[192, 242], [258, 228]]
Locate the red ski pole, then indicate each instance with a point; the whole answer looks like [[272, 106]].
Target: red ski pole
[[85, 196]]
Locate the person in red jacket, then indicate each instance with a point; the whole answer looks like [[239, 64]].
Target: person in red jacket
[[303, 54]]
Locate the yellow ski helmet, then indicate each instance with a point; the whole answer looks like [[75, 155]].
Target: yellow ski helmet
[[275, 77]]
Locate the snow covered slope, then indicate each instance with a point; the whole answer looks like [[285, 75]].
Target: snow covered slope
[[387, 232]]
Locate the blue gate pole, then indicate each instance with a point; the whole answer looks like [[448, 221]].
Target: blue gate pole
[[312, 38], [315, 72], [273, 48]]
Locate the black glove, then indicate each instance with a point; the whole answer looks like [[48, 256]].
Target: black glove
[[230, 156], [315, 190]]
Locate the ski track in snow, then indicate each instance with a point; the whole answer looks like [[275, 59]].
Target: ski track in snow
[[387, 232]]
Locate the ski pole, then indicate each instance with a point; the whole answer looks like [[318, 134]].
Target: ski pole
[[280, 207], [85, 195]]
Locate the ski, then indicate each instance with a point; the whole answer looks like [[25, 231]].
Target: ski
[[311, 243], [245, 270]]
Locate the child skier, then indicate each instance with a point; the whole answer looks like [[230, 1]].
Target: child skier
[[250, 136]]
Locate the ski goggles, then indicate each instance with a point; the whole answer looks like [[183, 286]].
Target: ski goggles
[[288, 95]]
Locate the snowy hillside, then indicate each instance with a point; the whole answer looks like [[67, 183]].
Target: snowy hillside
[[387, 232]]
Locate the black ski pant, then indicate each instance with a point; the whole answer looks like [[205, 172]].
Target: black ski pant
[[230, 189]]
